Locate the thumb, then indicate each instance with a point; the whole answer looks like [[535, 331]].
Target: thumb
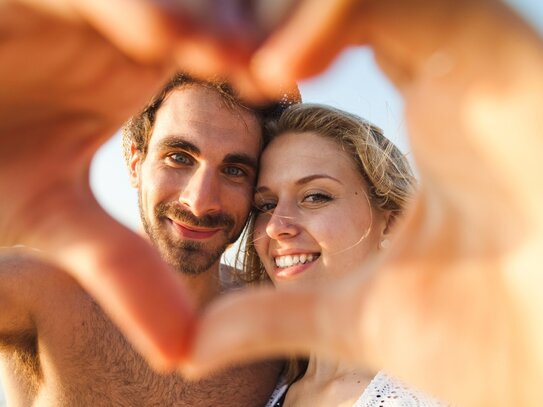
[[308, 43], [264, 323]]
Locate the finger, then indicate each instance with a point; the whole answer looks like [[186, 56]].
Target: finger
[[251, 325], [307, 44], [123, 272], [136, 27], [202, 56], [259, 324]]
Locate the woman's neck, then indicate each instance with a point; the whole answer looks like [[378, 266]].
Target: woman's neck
[[328, 382], [323, 370]]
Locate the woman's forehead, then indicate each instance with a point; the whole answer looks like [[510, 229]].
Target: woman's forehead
[[292, 155]]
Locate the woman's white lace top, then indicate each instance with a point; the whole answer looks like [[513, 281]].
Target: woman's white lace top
[[384, 391]]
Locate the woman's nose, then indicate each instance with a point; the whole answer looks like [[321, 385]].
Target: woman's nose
[[282, 225]]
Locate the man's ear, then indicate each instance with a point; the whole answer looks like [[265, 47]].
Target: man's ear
[[134, 163]]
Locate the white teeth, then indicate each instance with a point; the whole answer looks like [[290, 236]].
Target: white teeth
[[292, 260], [288, 261]]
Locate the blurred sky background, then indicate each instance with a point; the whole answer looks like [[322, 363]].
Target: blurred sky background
[[352, 83]]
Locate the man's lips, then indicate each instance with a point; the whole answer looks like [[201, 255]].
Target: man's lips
[[194, 232]]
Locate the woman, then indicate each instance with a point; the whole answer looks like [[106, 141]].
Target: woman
[[330, 189]]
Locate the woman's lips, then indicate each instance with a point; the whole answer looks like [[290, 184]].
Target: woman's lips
[[301, 263], [285, 273], [192, 232]]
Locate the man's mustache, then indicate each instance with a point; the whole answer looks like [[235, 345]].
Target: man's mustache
[[174, 212]]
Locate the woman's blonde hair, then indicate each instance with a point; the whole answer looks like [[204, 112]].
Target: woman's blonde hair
[[384, 168]]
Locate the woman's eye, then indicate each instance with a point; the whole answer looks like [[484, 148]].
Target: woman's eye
[[266, 207], [180, 158], [317, 197]]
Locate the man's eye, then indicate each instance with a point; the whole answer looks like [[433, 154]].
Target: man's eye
[[234, 171], [180, 158]]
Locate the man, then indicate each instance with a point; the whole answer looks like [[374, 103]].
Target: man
[[193, 155]]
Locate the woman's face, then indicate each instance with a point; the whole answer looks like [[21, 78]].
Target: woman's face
[[315, 221]]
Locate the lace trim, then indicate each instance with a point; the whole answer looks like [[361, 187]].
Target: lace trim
[[384, 391]]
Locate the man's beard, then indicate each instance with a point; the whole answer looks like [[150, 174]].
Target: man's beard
[[187, 256]]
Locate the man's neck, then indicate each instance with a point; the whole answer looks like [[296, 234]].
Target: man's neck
[[204, 287]]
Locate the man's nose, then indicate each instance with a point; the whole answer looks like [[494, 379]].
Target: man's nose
[[201, 194]]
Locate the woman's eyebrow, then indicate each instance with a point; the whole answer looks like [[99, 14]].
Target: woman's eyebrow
[[313, 177], [302, 181], [261, 189]]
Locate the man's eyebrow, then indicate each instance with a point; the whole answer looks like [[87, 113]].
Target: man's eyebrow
[[240, 158], [179, 144], [303, 181]]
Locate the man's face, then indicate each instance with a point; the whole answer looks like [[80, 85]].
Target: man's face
[[196, 182]]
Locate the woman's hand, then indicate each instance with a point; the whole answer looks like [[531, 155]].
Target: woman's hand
[[72, 72], [454, 306]]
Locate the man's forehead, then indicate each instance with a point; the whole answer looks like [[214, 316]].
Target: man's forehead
[[199, 116], [194, 97]]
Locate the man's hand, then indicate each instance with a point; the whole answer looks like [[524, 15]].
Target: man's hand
[[64, 90], [454, 306]]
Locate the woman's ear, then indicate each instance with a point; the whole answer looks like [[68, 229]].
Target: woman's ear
[[134, 162], [390, 222], [386, 231]]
